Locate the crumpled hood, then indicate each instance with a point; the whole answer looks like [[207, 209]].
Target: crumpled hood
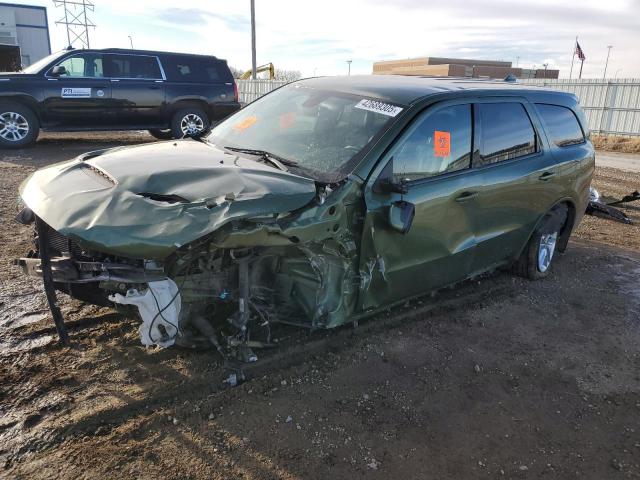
[[97, 198]]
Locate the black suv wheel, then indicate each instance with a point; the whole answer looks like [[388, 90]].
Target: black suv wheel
[[19, 126], [189, 121], [161, 134]]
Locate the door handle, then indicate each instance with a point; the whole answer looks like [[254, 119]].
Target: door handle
[[464, 196], [154, 88], [546, 176]]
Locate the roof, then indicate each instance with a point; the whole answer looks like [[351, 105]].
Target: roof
[[405, 90], [135, 51]]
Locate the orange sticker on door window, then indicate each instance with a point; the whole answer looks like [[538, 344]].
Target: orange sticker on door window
[[442, 144], [246, 123]]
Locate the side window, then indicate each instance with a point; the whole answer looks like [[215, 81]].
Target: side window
[[183, 68], [440, 143], [83, 66], [505, 132], [561, 125], [142, 67]]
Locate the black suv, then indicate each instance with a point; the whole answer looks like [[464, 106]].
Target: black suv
[[172, 95]]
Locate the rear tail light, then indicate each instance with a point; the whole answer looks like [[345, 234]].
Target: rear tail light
[[236, 96]]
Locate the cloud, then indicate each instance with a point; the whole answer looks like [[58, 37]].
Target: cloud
[[318, 37]]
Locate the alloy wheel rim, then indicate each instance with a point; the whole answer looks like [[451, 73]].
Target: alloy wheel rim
[[13, 126], [191, 124], [546, 249]]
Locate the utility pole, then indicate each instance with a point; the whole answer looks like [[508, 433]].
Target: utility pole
[[349, 66], [75, 20], [130, 41], [606, 64], [545, 65], [253, 39], [517, 60]]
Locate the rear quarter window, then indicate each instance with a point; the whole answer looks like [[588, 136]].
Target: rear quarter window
[[506, 133], [561, 125], [179, 68]]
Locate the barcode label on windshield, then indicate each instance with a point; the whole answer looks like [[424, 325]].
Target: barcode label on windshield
[[379, 107]]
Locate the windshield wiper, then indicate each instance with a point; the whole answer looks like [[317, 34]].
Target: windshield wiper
[[276, 160]]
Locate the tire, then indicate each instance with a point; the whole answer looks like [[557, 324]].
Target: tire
[[194, 115], [19, 125], [161, 134], [536, 259]]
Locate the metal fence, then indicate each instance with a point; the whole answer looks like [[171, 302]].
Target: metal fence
[[612, 107], [249, 90]]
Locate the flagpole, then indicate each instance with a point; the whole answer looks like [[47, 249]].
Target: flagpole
[[581, 64], [573, 58]]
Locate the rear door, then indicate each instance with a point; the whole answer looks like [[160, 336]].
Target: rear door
[[433, 156], [79, 99], [567, 143], [138, 89], [517, 176]]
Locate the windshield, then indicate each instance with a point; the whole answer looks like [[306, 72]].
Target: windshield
[[40, 64], [323, 132]]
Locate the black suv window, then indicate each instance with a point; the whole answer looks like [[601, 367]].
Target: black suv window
[[505, 132], [132, 66], [561, 125], [440, 143], [83, 65], [182, 68]]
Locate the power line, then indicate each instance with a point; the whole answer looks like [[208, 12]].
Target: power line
[[76, 20]]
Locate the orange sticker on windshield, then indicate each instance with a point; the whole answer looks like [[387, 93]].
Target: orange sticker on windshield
[[246, 123], [287, 120], [442, 144]]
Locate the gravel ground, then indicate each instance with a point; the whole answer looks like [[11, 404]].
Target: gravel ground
[[498, 378]]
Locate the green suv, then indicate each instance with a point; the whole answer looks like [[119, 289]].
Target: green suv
[[320, 203]]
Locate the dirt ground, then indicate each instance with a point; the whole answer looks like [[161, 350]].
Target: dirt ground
[[498, 378]]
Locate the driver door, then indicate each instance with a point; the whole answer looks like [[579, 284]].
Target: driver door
[[79, 99], [433, 159]]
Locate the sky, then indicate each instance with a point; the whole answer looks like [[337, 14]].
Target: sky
[[318, 37]]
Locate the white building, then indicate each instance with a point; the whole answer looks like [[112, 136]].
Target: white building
[[27, 27]]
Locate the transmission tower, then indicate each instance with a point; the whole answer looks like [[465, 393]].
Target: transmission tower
[[76, 21]]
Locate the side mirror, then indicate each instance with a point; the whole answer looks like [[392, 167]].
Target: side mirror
[[386, 184], [58, 70], [401, 216]]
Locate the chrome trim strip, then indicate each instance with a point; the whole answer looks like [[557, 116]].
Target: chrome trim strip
[[76, 54], [164, 77]]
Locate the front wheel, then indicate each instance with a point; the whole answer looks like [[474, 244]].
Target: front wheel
[[535, 261], [161, 134], [19, 126], [189, 122]]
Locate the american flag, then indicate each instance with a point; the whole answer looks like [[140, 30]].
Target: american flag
[[579, 52]]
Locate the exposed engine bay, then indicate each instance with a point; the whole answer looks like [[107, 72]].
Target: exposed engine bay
[[224, 290]]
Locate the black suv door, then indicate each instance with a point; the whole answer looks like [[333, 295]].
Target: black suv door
[[137, 86], [78, 99]]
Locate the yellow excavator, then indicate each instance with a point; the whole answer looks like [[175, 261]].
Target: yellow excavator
[[267, 67]]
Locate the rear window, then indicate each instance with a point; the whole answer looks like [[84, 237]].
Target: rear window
[[182, 68], [561, 125], [505, 132], [132, 66]]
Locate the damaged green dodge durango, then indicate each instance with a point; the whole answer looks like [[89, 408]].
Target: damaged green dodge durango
[[320, 203]]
